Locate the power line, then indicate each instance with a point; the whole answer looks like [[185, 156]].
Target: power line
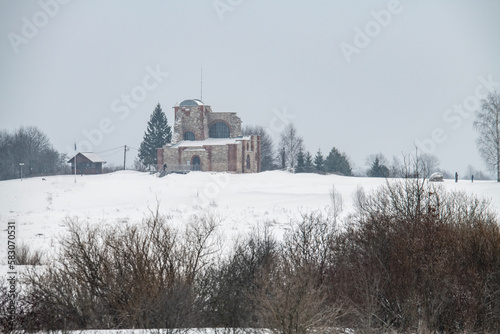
[[111, 149], [110, 154]]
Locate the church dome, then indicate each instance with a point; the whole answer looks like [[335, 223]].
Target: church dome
[[189, 103]]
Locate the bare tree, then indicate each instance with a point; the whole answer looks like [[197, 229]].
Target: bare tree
[[266, 145], [391, 290], [396, 167], [32, 147], [139, 275], [476, 174], [138, 165], [429, 164], [291, 303], [487, 123], [290, 145], [231, 285], [336, 204], [293, 298]]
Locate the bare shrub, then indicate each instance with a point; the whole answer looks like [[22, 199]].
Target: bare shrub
[[336, 204], [26, 256], [290, 301], [137, 276], [418, 258], [292, 296], [411, 258], [138, 165], [231, 285]]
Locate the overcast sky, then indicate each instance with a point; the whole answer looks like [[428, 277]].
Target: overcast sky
[[363, 76]]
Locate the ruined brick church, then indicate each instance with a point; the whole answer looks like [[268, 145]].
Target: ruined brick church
[[209, 141]]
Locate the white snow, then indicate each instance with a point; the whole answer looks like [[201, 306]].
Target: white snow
[[242, 201]]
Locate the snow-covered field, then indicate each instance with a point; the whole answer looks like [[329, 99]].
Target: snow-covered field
[[39, 206]]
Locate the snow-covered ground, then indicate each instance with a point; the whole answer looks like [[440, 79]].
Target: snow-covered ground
[[39, 206]]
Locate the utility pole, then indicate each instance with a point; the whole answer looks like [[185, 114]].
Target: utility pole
[[124, 156]]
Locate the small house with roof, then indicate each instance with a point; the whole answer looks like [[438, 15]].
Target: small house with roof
[[209, 141], [86, 163]]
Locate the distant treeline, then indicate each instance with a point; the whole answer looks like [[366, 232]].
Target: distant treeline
[[32, 148]]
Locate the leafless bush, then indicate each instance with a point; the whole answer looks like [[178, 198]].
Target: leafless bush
[[336, 206], [412, 258], [290, 301], [138, 165], [292, 297], [231, 285], [418, 258], [137, 276], [111, 169], [26, 256], [308, 244]]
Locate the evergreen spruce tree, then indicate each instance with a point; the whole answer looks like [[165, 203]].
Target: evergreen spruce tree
[[300, 162], [308, 163], [282, 158], [319, 162], [156, 136], [338, 163], [378, 169]]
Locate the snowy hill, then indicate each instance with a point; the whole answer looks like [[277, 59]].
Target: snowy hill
[[241, 201]]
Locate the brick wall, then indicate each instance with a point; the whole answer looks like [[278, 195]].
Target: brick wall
[[192, 118], [219, 158], [230, 118], [159, 158]]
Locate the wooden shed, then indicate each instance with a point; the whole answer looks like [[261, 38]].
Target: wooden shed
[[86, 163]]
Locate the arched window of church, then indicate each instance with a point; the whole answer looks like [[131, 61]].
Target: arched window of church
[[248, 162], [219, 130], [195, 162], [188, 135]]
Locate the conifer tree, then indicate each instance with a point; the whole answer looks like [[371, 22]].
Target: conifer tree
[[308, 163], [378, 168], [300, 162], [319, 162], [156, 136], [337, 162]]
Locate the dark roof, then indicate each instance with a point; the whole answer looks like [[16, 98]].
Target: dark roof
[[89, 155]]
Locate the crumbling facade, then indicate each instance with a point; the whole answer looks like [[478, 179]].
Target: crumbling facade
[[209, 141]]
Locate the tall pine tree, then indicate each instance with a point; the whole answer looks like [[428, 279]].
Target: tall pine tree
[[338, 163], [308, 163], [319, 162], [300, 162], [156, 136], [378, 169]]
